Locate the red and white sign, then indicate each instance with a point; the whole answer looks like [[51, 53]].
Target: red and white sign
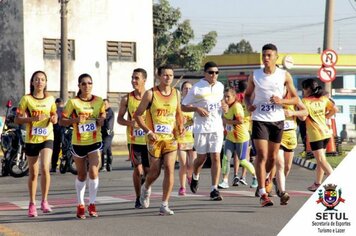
[[327, 74], [329, 57]]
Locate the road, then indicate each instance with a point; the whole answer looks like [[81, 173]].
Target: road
[[238, 214]]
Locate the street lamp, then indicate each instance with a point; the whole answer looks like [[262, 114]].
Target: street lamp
[[64, 51]]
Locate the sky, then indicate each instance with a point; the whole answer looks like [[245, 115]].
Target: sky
[[295, 26]]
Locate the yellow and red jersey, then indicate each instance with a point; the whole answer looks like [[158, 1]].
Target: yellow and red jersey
[[135, 135], [37, 131], [237, 133], [161, 115], [316, 126], [88, 132]]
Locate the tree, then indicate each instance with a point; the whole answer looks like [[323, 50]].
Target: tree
[[242, 47], [172, 39]]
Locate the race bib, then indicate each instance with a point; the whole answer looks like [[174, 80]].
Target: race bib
[[267, 108], [229, 128], [90, 127], [213, 106], [189, 128], [163, 129], [138, 132], [39, 131], [289, 124]]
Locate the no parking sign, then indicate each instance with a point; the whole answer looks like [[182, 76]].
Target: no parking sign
[[327, 72]]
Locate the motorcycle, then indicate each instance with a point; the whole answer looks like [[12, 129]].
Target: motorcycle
[[66, 160], [14, 161]]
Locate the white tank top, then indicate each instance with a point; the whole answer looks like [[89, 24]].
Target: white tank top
[[267, 85]]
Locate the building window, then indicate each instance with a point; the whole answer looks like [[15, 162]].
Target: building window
[[340, 108], [52, 49], [121, 51], [352, 109]]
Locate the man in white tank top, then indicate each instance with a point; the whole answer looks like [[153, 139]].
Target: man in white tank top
[[266, 86]]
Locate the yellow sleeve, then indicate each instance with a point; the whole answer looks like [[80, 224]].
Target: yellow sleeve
[[68, 109]]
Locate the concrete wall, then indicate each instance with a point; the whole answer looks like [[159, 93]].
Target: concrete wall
[[91, 23], [11, 53]]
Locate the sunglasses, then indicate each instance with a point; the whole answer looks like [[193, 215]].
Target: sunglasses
[[213, 72], [86, 83]]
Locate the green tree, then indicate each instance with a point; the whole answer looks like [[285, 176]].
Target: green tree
[[172, 39], [242, 47]]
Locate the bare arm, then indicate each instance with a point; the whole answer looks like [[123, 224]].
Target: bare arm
[[122, 111], [301, 111], [138, 116], [249, 93], [293, 100], [179, 116]]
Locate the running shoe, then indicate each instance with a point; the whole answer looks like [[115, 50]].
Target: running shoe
[[268, 185], [254, 183], [32, 211], [181, 191], [145, 196], [45, 207], [138, 203], [194, 185], [81, 211], [223, 185], [215, 195], [92, 210], [235, 181], [165, 211], [265, 200], [243, 181], [313, 187], [284, 198]]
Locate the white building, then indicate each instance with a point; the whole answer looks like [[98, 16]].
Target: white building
[[107, 39]]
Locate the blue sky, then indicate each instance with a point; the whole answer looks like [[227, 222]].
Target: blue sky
[[293, 25]]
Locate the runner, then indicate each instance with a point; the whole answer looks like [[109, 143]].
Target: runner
[[320, 108], [186, 151], [205, 99], [86, 113], [136, 142], [237, 139], [267, 85], [37, 111], [288, 144], [163, 113]]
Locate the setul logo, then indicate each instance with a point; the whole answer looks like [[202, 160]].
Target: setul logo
[[330, 198]]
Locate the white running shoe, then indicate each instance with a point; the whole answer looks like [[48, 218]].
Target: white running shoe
[[165, 211], [145, 196]]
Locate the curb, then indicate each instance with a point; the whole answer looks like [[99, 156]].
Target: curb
[[304, 163]]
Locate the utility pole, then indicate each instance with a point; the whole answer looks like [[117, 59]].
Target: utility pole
[[64, 51], [329, 32]]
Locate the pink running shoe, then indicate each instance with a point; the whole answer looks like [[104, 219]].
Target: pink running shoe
[[181, 191], [45, 207], [32, 211]]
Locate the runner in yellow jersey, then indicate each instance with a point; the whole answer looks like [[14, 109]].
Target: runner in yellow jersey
[[86, 113], [320, 108], [237, 138], [163, 113], [288, 144], [186, 151], [136, 141], [37, 111]]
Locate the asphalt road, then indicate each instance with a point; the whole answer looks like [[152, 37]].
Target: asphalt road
[[238, 214]]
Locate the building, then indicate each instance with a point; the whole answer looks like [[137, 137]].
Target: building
[[234, 68], [107, 39]]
